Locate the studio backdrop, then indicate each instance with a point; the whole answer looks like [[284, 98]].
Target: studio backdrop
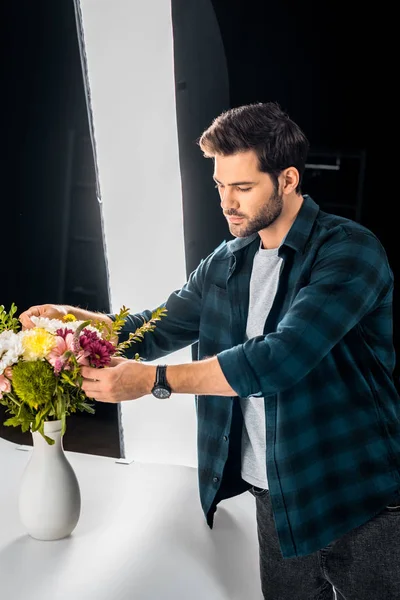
[[155, 77]]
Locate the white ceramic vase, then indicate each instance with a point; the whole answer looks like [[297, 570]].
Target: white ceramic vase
[[49, 498]]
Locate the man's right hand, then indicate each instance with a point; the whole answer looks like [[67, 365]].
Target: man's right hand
[[50, 311]]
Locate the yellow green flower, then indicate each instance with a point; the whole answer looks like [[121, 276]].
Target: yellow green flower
[[34, 383], [37, 343], [69, 318]]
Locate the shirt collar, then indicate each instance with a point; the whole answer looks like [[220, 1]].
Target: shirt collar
[[297, 236], [300, 231]]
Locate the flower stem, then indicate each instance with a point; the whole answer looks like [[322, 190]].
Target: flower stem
[[10, 395]]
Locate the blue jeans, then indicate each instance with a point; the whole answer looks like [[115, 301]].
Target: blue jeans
[[364, 564]]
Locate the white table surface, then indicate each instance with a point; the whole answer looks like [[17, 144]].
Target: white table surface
[[141, 536]]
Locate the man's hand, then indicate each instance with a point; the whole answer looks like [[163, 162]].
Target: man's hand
[[124, 380], [58, 311], [50, 311]]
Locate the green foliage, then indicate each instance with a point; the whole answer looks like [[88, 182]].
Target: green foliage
[[53, 401], [120, 319], [140, 332], [7, 320], [110, 332]]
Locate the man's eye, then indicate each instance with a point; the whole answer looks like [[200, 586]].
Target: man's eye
[[219, 185]]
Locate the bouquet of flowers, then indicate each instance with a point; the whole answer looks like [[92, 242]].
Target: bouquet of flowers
[[40, 376]]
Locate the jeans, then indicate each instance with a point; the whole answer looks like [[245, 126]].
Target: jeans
[[363, 564]]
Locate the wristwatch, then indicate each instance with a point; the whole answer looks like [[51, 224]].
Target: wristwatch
[[161, 388]]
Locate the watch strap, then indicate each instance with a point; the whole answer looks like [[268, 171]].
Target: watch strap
[[161, 375]]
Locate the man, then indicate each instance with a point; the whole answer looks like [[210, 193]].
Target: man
[[295, 395]]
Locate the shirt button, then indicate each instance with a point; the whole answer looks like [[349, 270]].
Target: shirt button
[[215, 479], [225, 438]]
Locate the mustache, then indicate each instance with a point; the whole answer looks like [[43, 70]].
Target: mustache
[[232, 214]]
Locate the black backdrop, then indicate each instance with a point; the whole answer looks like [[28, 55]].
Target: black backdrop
[[330, 66], [51, 239]]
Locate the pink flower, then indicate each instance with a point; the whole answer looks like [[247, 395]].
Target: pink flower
[[100, 353], [97, 350], [87, 338], [5, 385], [63, 331], [82, 358], [58, 364], [57, 356], [89, 350], [8, 372]]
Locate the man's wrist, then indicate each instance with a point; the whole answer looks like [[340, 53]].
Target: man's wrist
[[83, 315], [200, 377], [150, 377]]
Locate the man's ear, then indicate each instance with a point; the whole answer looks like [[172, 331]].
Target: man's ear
[[290, 178]]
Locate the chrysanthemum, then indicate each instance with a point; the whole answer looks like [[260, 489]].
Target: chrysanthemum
[[34, 382], [10, 348], [98, 351], [51, 325], [69, 318], [37, 344]]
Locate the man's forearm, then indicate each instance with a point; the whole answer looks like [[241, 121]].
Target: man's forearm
[[83, 315], [200, 377]]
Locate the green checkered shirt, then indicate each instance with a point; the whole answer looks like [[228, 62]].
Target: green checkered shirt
[[323, 365]]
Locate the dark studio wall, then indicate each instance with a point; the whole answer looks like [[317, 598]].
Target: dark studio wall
[[202, 92], [328, 65], [52, 240]]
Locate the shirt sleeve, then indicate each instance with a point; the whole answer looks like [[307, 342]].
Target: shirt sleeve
[[177, 329], [350, 277]]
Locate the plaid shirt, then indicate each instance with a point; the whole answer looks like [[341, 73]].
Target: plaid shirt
[[323, 366]]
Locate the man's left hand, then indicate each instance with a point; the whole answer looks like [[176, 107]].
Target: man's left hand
[[123, 380]]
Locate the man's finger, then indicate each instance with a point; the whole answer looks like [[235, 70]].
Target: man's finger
[[91, 388], [96, 394], [33, 311], [25, 318], [91, 373], [117, 360]]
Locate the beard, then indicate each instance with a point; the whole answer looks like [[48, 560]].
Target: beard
[[267, 215]]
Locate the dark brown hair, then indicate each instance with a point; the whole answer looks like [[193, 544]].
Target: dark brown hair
[[263, 127]]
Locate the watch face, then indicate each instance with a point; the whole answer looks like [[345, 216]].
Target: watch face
[[161, 392]]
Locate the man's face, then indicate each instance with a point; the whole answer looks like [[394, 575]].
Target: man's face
[[249, 200]]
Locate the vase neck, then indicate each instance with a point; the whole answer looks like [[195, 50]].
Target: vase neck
[[40, 443]]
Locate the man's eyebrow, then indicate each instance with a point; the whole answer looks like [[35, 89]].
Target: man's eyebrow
[[237, 182]]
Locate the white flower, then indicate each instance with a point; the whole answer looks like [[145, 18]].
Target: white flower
[[51, 325], [10, 348]]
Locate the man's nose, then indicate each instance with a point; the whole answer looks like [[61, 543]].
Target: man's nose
[[228, 199]]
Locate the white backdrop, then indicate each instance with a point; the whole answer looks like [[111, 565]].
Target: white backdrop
[[129, 50]]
